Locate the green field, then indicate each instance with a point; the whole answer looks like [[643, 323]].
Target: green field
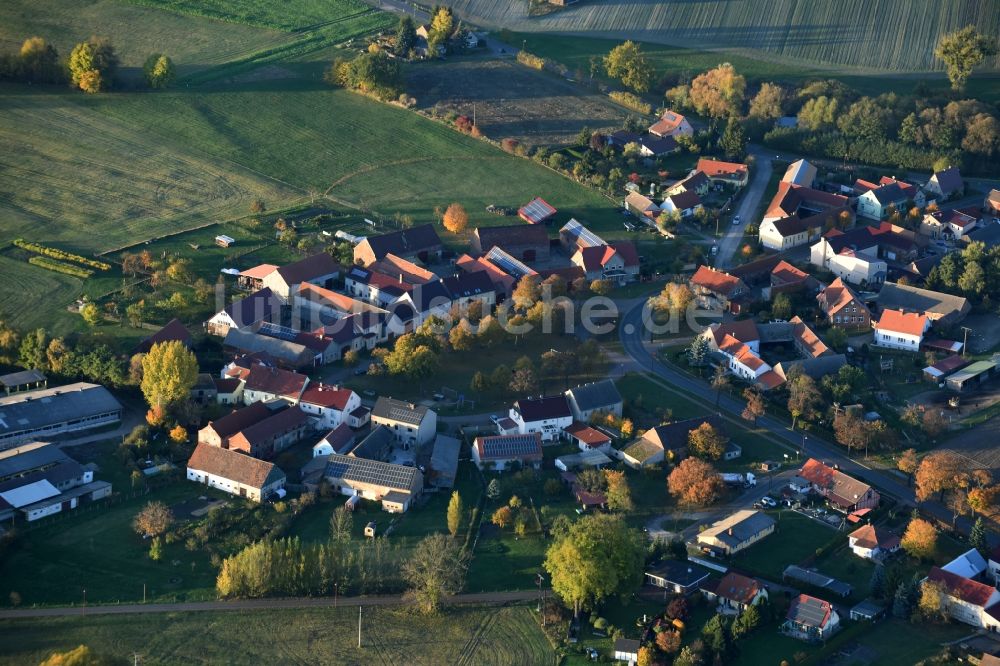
[[290, 15], [795, 536], [461, 635], [887, 35]]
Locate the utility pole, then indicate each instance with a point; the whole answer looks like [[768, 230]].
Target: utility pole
[[359, 627], [144, 593], [965, 340]]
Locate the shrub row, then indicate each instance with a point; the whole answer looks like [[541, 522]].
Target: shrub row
[[530, 60], [60, 254], [60, 267], [631, 101]]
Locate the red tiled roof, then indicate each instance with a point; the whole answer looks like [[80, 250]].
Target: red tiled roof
[[719, 169], [667, 123], [234, 466], [966, 589], [716, 281], [868, 536], [589, 436], [259, 272], [840, 487], [627, 251], [744, 330], [738, 588], [909, 323], [833, 299], [325, 395], [275, 380], [808, 338], [770, 380], [787, 273]]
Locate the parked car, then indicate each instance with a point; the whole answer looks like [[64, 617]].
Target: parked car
[[736, 219], [769, 502]]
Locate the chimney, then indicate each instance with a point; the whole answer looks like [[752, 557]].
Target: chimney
[[730, 531]]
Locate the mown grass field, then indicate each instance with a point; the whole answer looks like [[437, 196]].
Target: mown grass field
[[460, 635], [888, 35], [290, 15]]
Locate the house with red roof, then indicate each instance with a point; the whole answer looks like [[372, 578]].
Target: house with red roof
[[805, 202], [842, 492], [948, 224], [734, 592], [786, 278], [716, 289], [618, 262], [743, 361], [967, 600], [672, 124], [873, 542], [273, 434], [587, 437], [330, 405], [727, 173], [319, 269], [897, 329], [810, 619], [843, 307]]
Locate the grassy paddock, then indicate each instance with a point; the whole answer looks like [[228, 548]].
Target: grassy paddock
[[796, 537], [464, 634]]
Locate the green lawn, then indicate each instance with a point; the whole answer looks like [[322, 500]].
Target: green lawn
[[465, 634], [796, 538]]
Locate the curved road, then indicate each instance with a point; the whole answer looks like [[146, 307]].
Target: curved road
[[632, 336]]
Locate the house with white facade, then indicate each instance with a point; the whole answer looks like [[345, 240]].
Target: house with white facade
[[412, 424], [787, 232], [811, 619], [235, 473], [873, 543], [946, 183], [896, 329], [500, 451], [967, 600], [548, 416], [330, 405]]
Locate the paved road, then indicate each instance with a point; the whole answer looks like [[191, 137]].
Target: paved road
[[260, 604], [746, 209], [632, 335]]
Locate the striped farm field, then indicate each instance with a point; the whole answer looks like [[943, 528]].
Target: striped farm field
[[865, 35]]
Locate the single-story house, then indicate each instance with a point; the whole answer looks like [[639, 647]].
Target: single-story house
[[499, 451], [627, 650], [873, 543], [676, 576], [843, 492], [811, 619], [339, 440], [736, 532], [395, 486], [600, 397], [729, 173], [588, 438], [734, 592], [671, 123]]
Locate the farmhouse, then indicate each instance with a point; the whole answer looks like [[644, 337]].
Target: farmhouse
[[673, 124], [218, 431], [330, 405], [734, 592], [801, 173], [395, 486], [940, 308], [47, 412], [676, 576], [319, 269], [526, 243], [811, 619], [235, 473], [465, 288], [897, 329], [247, 313], [39, 479], [873, 543], [273, 434], [736, 532], [792, 199], [842, 492], [421, 241], [503, 283], [536, 211], [967, 600], [947, 183], [715, 289], [600, 397], [409, 423], [499, 451], [726, 173], [264, 382], [547, 416], [843, 307]]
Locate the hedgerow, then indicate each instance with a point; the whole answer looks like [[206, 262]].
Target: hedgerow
[[61, 255], [60, 267]]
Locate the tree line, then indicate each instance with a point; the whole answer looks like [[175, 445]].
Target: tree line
[[92, 65]]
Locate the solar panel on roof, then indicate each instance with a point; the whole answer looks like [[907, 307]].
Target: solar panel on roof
[[278, 331], [508, 264], [537, 210], [583, 236], [509, 446], [810, 612]]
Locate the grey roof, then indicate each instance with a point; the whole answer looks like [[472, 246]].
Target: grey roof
[[406, 242], [362, 470], [464, 284], [949, 180], [286, 351], [29, 457], [261, 305], [397, 410], [914, 299], [743, 525], [429, 295], [988, 234], [444, 460], [814, 367], [595, 395], [21, 378], [628, 645], [372, 446], [868, 608], [31, 410], [685, 574], [503, 447], [809, 611], [817, 579]]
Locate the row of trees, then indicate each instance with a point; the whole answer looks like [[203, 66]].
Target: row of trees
[[92, 65]]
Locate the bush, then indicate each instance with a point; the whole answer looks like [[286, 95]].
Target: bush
[[631, 101], [600, 624], [53, 253], [529, 60], [60, 267]]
